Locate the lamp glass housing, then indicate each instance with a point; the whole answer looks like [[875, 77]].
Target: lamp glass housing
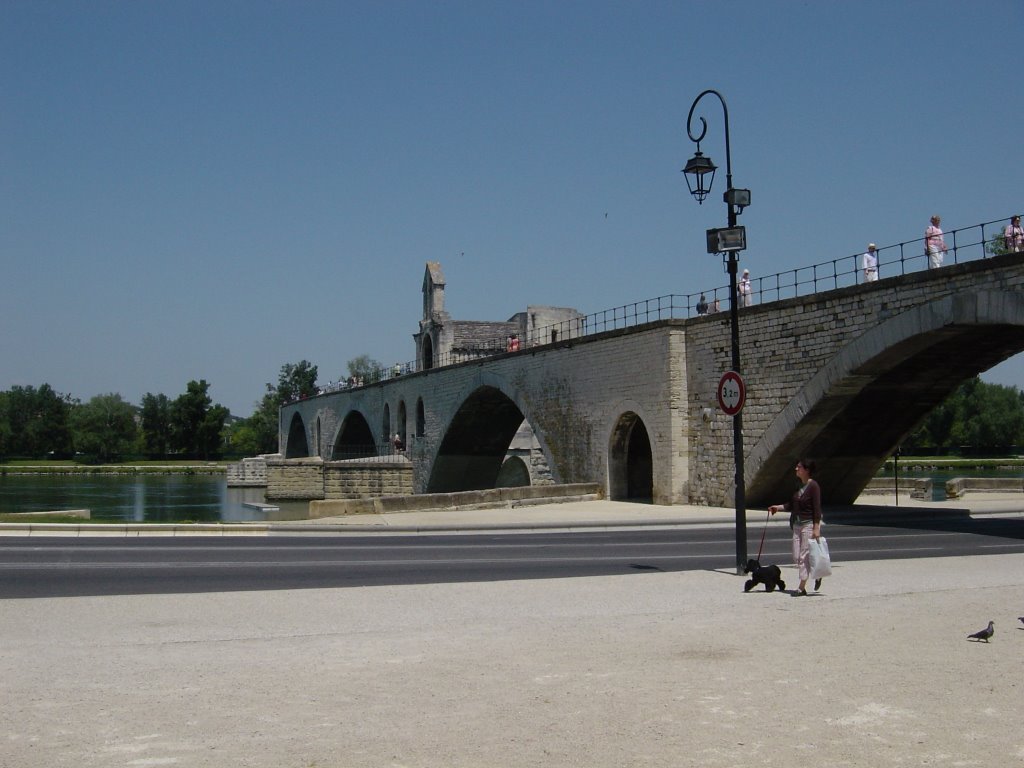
[[698, 167]]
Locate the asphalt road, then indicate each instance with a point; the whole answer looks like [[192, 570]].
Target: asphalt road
[[67, 567]]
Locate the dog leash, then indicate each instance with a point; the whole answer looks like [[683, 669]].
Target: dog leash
[[761, 545]]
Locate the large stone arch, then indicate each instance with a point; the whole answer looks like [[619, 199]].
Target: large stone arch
[[475, 442], [853, 412], [630, 461], [297, 446], [513, 473], [477, 437], [355, 438]]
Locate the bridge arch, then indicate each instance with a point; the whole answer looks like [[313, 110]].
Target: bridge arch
[[854, 411], [355, 438], [630, 460], [402, 423], [297, 447], [513, 473], [475, 442]]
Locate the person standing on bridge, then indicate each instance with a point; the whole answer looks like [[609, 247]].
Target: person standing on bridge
[[934, 244], [746, 294], [804, 520], [869, 263], [1013, 236]]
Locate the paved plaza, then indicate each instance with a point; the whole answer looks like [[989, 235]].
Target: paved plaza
[[649, 669]]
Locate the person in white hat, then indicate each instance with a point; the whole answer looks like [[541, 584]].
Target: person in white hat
[[869, 263], [745, 291]]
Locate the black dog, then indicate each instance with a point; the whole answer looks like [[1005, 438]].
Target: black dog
[[769, 575]]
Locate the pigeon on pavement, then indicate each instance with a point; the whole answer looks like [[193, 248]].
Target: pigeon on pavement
[[984, 634]]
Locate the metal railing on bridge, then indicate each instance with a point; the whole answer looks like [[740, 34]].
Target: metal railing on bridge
[[978, 241]]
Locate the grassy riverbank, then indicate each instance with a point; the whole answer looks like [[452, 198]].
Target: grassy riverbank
[[36, 467], [955, 463]]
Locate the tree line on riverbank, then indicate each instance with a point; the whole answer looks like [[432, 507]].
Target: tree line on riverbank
[[977, 419], [41, 423]]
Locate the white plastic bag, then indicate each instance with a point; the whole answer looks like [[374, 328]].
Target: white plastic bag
[[820, 562]]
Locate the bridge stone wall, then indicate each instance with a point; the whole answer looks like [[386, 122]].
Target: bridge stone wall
[[843, 374], [573, 393], [799, 353]]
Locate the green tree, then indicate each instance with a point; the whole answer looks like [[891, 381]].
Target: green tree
[[365, 369], [210, 438], [242, 440], [5, 426], [37, 422], [156, 425], [295, 382], [258, 433], [997, 245], [991, 420], [980, 417], [197, 425], [104, 428], [262, 425]]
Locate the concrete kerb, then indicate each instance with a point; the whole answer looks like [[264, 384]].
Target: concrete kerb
[[567, 515]]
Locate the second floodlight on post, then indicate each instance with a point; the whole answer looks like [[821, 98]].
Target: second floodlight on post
[[738, 197]]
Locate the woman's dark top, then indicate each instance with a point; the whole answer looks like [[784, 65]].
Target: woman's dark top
[[806, 504]]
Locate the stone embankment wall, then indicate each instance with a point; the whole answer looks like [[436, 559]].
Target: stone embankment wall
[[358, 480], [250, 472], [309, 479], [914, 487], [493, 498], [958, 487]]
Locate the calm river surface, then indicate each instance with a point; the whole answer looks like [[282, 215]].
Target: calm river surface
[[207, 499], [142, 498], [940, 476]]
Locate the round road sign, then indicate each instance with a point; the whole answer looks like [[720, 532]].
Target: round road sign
[[732, 393]]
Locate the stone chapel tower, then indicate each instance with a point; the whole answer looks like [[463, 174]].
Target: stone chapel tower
[[433, 341]]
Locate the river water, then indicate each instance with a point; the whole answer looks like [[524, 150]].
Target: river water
[[940, 476], [143, 498], [207, 499]]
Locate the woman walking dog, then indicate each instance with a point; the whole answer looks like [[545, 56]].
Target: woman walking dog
[[804, 520]]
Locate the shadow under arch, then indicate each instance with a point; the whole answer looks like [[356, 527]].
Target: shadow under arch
[[474, 446], [297, 446], [859, 406], [513, 473], [630, 461], [355, 439]]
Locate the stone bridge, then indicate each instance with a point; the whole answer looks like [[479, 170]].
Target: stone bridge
[[841, 376]]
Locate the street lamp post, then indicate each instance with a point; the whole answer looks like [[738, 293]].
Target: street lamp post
[[729, 241]]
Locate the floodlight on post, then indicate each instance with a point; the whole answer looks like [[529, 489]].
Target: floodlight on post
[[730, 240]]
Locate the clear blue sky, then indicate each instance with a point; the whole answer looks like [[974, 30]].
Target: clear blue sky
[[213, 189]]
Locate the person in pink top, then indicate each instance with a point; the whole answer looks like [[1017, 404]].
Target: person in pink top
[[1013, 235], [934, 244]]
